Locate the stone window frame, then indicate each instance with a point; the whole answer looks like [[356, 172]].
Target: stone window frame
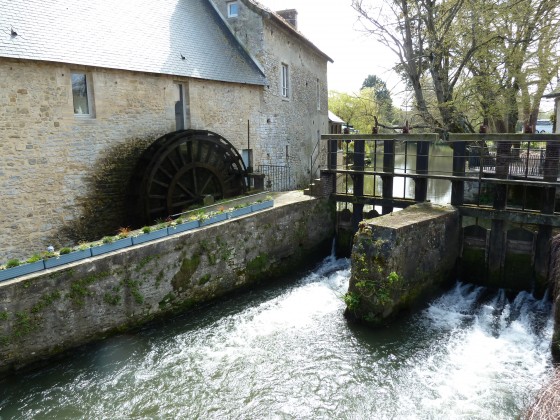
[[285, 81], [232, 9], [89, 94]]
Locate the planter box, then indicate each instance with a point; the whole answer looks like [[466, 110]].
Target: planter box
[[113, 246], [183, 227], [263, 205], [21, 270], [68, 258], [214, 219], [152, 236], [239, 212]]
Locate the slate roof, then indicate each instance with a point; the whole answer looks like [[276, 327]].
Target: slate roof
[[140, 35]]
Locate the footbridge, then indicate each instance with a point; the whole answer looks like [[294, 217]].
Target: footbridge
[[504, 186]]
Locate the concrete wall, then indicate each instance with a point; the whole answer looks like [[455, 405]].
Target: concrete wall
[[399, 258], [41, 315]]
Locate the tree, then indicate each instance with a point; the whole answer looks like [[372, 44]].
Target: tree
[[496, 47], [357, 110], [381, 96]]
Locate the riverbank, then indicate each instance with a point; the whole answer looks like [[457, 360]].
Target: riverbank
[[48, 312]]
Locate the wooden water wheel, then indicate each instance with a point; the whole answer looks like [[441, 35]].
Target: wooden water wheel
[[181, 168]]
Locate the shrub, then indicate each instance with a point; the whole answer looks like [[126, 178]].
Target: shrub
[[146, 229], [64, 250], [107, 239]]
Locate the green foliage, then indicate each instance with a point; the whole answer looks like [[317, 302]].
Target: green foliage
[[146, 229], [107, 239], [34, 258], [64, 251], [13, 263], [352, 300]]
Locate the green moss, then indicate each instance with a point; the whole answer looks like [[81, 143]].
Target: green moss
[[204, 279], [144, 261], [134, 289], [3, 316], [79, 288], [257, 266], [159, 278], [45, 301], [24, 324], [182, 279], [167, 300], [112, 299]]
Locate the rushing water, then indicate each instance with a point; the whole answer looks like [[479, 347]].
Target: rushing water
[[288, 353]]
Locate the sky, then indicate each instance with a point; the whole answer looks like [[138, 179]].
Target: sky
[[333, 26]]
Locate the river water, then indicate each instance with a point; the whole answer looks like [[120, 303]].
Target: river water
[[288, 353]]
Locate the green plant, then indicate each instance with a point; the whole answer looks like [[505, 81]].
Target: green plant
[[107, 239], [13, 263], [64, 250], [352, 300], [146, 229], [201, 216], [48, 254], [34, 258]]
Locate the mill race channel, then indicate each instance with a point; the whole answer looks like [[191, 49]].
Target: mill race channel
[[287, 352]]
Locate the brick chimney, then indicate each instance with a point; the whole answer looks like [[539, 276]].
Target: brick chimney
[[290, 16]]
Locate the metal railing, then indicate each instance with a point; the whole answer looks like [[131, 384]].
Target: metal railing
[[277, 177]]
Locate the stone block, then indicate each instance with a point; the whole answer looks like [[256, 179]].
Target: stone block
[[399, 259]]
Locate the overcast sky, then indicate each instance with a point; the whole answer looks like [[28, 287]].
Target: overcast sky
[[333, 27]]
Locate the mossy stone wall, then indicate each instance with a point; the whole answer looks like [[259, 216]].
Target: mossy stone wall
[[46, 313], [397, 259]]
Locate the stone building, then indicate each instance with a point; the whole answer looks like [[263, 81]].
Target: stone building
[[85, 88]]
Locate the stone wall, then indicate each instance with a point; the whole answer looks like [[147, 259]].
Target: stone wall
[[296, 121], [64, 178], [44, 314], [554, 275], [399, 258]]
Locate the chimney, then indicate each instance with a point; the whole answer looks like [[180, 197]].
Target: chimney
[[290, 16]]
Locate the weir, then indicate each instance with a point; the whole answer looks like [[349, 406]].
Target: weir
[[502, 185]]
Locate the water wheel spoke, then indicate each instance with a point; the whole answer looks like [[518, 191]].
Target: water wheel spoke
[[165, 172], [184, 203], [186, 190], [208, 179], [208, 155], [158, 182], [172, 161], [182, 155], [195, 180]]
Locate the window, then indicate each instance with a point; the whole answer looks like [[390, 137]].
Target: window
[[318, 95], [232, 9], [285, 80], [81, 94]]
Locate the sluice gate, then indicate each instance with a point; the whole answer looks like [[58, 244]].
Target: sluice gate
[[504, 186]]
